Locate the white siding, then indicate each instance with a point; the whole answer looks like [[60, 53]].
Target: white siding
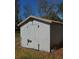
[[39, 35], [42, 35], [26, 33]]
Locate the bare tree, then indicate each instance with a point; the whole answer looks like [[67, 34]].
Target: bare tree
[[47, 10], [43, 7], [27, 10]]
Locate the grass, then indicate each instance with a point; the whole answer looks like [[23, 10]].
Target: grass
[[25, 53]]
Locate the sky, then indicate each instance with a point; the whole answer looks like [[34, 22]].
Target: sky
[[33, 4]]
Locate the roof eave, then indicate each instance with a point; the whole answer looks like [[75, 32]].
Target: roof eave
[[42, 19]]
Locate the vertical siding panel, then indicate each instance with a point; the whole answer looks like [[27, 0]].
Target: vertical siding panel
[[57, 35], [43, 34]]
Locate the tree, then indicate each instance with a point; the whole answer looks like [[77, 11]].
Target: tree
[[43, 7], [47, 10], [27, 10], [17, 20], [61, 7]]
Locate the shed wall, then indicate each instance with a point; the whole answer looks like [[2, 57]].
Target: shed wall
[[43, 36], [56, 36], [38, 33], [26, 34]]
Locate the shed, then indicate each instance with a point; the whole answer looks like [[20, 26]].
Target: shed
[[40, 34]]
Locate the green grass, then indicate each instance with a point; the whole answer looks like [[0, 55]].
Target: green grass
[[25, 53]]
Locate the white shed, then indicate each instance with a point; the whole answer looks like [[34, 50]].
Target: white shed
[[41, 34]]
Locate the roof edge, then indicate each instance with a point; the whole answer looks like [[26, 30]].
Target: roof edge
[[42, 19]]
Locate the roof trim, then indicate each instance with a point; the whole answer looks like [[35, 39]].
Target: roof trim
[[41, 19]]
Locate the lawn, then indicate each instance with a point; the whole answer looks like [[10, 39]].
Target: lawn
[[25, 53]]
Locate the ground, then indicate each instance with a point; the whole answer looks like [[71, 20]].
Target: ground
[[25, 53]]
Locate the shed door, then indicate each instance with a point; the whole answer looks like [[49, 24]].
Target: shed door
[[33, 35], [36, 35]]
